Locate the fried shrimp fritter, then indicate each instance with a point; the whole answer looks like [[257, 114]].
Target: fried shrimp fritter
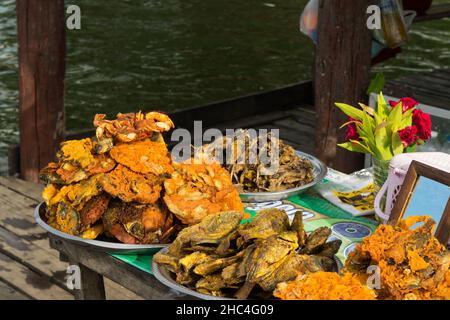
[[130, 186], [197, 190], [132, 126], [144, 157]]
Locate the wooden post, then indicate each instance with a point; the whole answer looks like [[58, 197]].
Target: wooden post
[[342, 66], [42, 47]]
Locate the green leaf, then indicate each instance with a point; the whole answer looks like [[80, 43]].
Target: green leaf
[[407, 118], [376, 85], [383, 142], [367, 130], [383, 108], [397, 146], [355, 146], [395, 118], [353, 112]]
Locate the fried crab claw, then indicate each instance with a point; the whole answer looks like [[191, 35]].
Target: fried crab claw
[[129, 127]]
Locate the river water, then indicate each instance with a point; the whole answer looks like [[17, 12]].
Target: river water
[[175, 54]]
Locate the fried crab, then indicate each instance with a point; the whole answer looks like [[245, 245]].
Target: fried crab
[[197, 190], [77, 161], [130, 186], [132, 126], [143, 157], [137, 223]]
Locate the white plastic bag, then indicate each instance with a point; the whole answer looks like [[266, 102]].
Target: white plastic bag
[[309, 18]]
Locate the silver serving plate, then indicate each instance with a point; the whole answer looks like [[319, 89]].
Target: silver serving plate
[[319, 171], [107, 245], [166, 277]]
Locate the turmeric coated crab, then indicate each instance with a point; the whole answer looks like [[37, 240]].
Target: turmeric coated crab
[[132, 126], [197, 190]]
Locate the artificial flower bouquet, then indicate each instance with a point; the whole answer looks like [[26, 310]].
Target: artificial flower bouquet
[[392, 129]]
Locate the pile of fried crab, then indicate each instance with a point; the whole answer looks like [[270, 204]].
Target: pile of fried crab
[[123, 183]]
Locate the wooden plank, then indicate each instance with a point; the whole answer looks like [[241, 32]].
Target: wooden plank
[[138, 281], [9, 293], [33, 284], [436, 11], [92, 285], [246, 106], [42, 46], [342, 70], [25, 188]]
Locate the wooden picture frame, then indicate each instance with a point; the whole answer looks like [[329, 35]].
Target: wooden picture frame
[[415, 171]]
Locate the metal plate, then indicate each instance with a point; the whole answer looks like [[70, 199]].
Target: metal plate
[[166, 277], [104, 245], [319, 171]]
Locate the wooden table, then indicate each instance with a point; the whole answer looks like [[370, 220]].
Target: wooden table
[[96, 265]]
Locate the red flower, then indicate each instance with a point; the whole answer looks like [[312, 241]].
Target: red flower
[[352, 133], [422, 121], [407, 103], [408, 135]]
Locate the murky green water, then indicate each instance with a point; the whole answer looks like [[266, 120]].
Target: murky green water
[[174, 54]]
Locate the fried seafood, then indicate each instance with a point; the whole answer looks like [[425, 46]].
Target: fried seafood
[[257, 257], [260, 165], [77, 194], [132, 126], [324, 286], [143, 157], [94, 210], [413, 264], [197, 190], [136, 223], [131, 186], [77, 161]]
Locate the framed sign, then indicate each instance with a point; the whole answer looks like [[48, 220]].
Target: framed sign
[[425, 191]]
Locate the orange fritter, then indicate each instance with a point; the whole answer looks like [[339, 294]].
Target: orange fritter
[[143, 157], [130, 186], [132, 126], [324, 286], [413, 264], [196, 190]]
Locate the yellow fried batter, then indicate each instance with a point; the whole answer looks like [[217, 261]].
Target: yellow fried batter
[[143, 157], [196, 190], [132, 126], [130, 186]]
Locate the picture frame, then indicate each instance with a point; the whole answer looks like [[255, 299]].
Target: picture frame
[[415, 171]]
